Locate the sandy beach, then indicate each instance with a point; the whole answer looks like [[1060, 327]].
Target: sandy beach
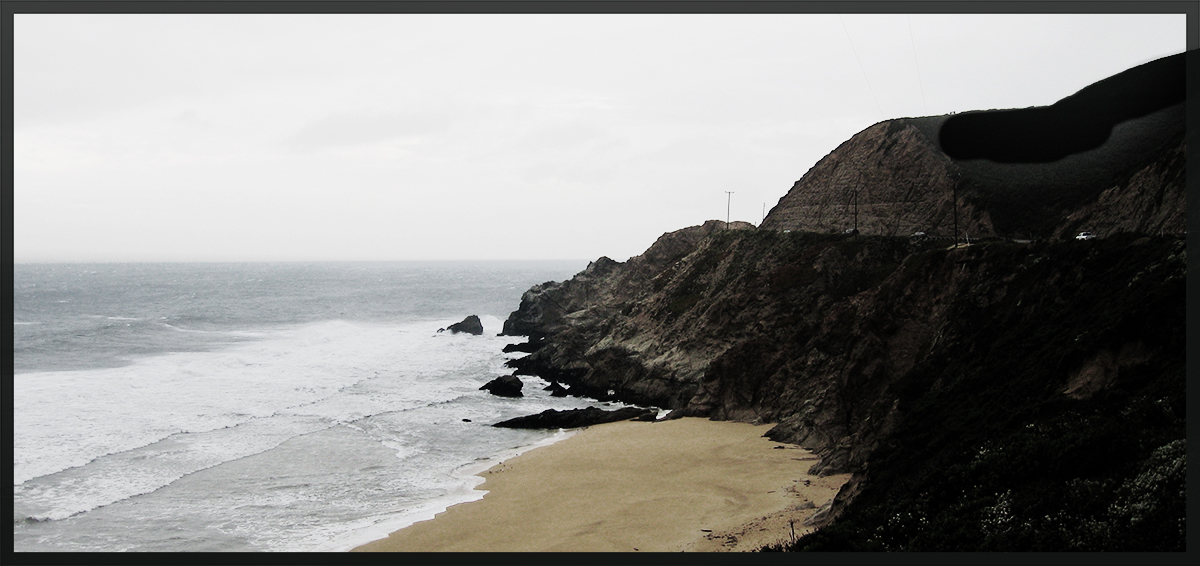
[[683, 485]]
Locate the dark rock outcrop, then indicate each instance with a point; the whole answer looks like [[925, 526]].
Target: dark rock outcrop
[[506, 386], [528, 347], [552, 306], [557, 390], [469, 325], [576, 418]]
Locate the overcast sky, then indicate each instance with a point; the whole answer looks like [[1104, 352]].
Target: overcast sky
[[410, 137]]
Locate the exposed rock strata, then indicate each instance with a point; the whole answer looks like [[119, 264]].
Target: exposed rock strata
[[900, 179], [553, 306]]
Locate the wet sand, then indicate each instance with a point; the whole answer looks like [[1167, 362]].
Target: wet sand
[[688, 484]]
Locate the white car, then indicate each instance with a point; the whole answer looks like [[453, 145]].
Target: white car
[[1085, 236]]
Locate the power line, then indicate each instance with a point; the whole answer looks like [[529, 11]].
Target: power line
[[882, 116]]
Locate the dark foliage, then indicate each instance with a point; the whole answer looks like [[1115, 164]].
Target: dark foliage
[[1077, 123]]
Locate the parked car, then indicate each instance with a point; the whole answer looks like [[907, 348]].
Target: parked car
[[1085, 236], [918, 236]]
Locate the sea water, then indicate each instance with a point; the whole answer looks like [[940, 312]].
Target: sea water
[[248, 407]]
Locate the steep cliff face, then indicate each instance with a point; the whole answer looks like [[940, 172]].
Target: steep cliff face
[[861, 345], [555, 306], [805, 330], [892, 175], [572, 326]]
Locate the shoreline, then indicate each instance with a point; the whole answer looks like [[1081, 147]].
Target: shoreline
[[472, 477], [688, 484]]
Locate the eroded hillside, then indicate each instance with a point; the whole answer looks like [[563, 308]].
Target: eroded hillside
[[895, 359], [1026, 392]]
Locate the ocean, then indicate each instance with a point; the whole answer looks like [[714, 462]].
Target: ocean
[[258, 406]]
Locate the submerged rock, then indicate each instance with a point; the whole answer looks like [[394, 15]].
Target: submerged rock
[[507, 386], [576, 418]]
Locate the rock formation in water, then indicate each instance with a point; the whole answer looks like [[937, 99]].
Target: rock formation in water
[[506, 386], [1008, 395], [469, 325]]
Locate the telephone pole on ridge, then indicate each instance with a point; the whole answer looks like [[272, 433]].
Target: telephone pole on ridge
[[728, 199]]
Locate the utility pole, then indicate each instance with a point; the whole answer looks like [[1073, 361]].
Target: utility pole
[[856, 212], [728, 199], [954, 205]]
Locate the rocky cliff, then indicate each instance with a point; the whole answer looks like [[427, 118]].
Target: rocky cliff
[[890, 179], [1059, 364], [1004, 395]]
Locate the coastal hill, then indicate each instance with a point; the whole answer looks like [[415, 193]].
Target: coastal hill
[[1009, 395], [1108, 158]]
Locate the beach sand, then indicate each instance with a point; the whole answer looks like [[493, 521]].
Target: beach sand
[[688, 484]]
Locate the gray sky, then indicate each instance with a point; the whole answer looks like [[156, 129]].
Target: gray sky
[[398, 137]]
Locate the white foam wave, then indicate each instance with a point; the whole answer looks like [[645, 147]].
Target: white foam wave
[[354, 534], [114, 477], [492, 325], [178, 329], [94, 438], [86, 439], [66, 419]]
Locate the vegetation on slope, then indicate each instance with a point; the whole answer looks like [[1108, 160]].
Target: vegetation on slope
[[991, 453]]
